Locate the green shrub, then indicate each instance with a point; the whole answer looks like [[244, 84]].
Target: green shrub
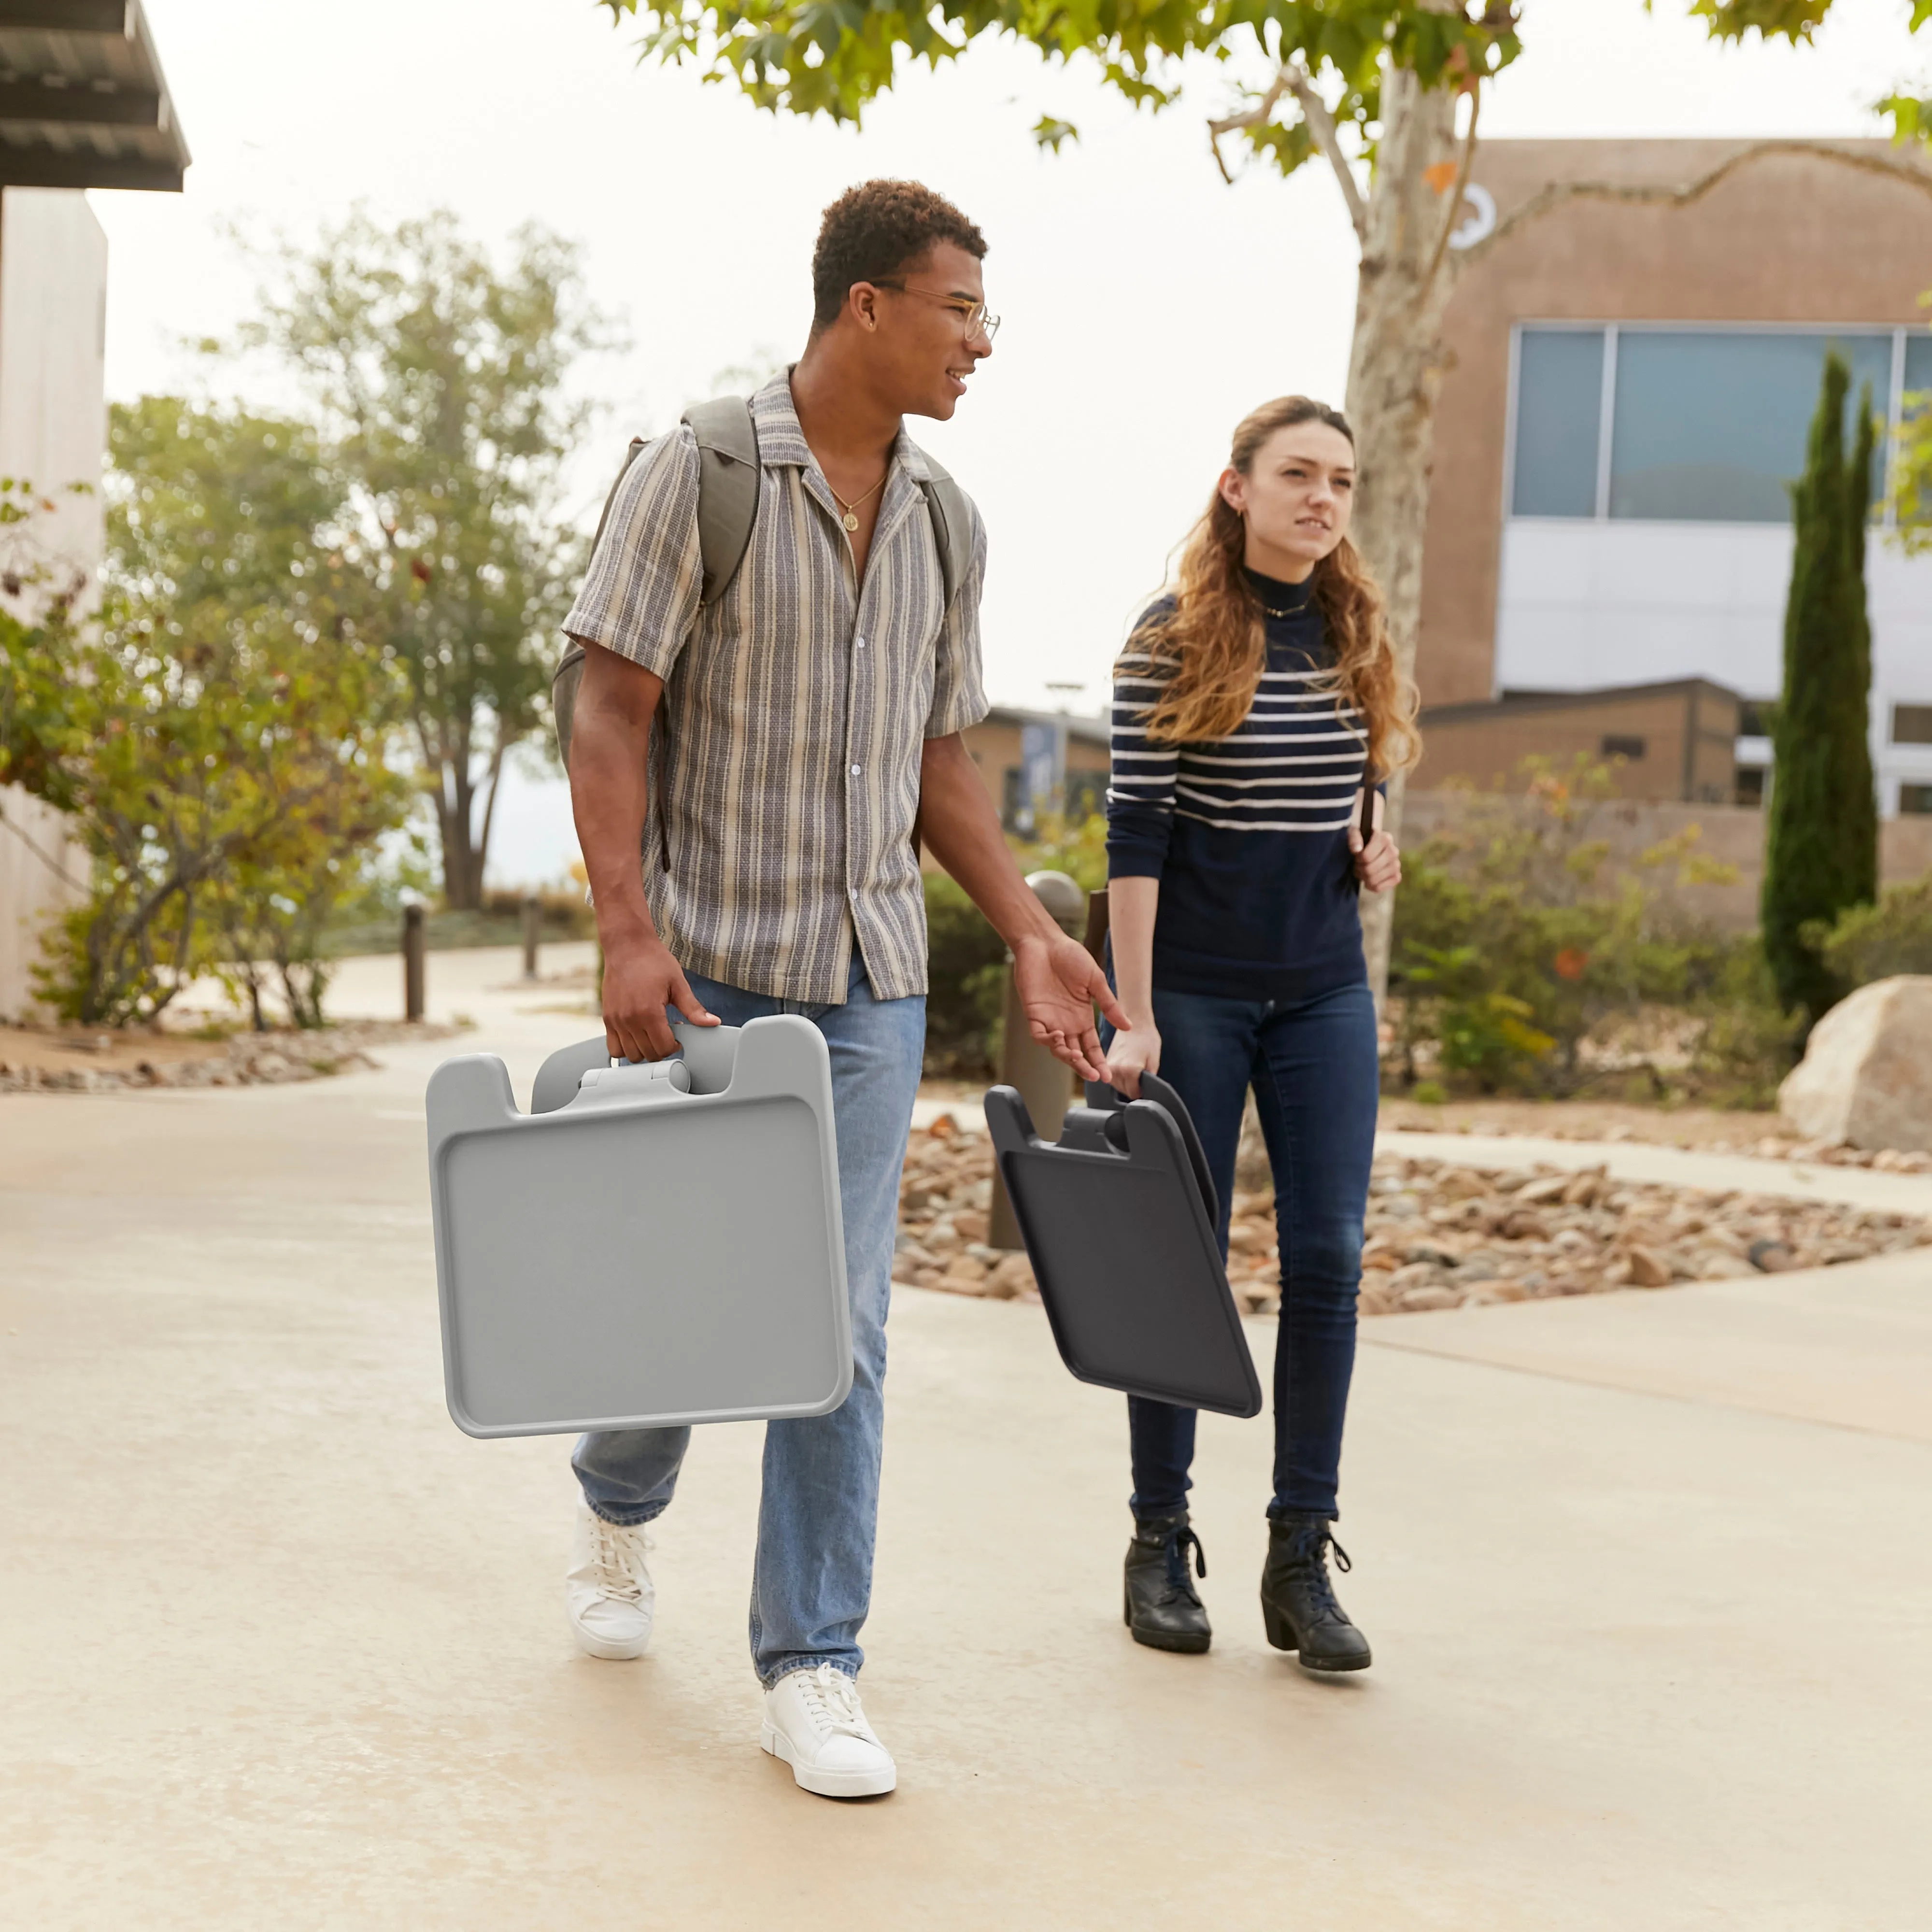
[[966, 982], [968, 976], [1517, 949], [1874, 942]]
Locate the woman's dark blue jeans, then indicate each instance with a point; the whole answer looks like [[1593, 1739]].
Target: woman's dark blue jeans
[[1313, 1066]]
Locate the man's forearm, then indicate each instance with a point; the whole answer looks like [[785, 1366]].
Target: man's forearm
[[961, 830]]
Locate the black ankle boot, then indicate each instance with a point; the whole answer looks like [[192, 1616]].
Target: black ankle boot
[[1162, 1609], [1298, 1604]]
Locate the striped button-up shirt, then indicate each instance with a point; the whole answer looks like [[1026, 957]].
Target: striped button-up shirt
[[781, 830]]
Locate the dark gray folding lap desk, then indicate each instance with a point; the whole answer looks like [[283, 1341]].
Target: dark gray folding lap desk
[[649, 1245], [1118, 1217]]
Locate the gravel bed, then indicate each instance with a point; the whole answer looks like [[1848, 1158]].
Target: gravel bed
[[245, 1059], [1437, 1235]]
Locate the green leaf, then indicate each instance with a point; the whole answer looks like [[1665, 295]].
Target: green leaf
[[1048, 133]]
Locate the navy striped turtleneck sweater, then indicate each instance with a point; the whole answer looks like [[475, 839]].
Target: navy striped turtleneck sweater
[[1247, 834]]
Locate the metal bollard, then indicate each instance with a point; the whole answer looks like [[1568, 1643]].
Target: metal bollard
[[532, 926], [412, 962], [1045, 1083]]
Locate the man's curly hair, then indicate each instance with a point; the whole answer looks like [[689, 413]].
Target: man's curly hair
[[872, 231]]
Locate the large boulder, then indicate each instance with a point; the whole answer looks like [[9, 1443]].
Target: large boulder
[[1866, 1077]]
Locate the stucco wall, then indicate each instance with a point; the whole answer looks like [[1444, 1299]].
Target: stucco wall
[[42, 872], [1731, 833], [53, 421]]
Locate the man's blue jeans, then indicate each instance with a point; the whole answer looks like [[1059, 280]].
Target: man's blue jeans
[[1312, 1064], [812, 1583]]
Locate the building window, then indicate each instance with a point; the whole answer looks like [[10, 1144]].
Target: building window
[[1756, 717], [1617, 747], [1915, 798], [1751, 785], [1086, 796], [1706, 425], [1911, 723], [1710, 427], [1010, 801], [1559, 404]]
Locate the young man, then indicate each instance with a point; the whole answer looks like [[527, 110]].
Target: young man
[[811, 718]]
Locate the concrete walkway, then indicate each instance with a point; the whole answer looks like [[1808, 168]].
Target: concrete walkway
[[1649, 1578]]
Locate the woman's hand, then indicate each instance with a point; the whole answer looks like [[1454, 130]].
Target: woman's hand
[[1378, 863], [1133, 1053]]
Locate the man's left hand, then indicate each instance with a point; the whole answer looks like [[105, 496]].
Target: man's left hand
[[1059, 985]]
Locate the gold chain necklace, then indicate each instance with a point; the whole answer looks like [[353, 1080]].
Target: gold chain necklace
[[851, 509]]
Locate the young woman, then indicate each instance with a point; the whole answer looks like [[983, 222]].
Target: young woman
[[1254, 708]]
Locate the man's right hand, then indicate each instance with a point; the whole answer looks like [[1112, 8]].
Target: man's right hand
[[641, 979]]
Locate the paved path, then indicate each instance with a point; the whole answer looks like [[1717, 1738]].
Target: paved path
[[1628, 1160], [1649, 1578]]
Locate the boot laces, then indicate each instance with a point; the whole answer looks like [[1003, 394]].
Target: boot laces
[[618, 1554], [1308, 1553], [1181, 1540], [831, 1701]]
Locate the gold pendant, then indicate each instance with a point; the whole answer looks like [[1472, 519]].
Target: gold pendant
[[851, 520]]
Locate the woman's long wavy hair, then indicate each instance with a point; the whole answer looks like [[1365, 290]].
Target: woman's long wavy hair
[[1214, 630]]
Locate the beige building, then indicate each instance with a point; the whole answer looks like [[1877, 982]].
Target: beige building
[[1034, 762], [83, 105], [1627, 389], [1675, 741]]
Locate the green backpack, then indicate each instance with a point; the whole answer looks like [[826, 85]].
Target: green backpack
[[728, 506]]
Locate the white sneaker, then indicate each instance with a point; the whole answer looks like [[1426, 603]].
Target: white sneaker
[[608, 1594], [814, 1722]]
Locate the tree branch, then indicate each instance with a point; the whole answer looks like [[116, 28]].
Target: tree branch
[[1452, 214], [1256, 116], [1557, 192], [1321, 125]]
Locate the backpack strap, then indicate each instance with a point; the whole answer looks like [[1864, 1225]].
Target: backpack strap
[[951, 526], [727, 507], [728, 487]]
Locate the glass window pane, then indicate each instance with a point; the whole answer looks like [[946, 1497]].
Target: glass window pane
[[1559, 391], [1918, 362], [1710, 427]]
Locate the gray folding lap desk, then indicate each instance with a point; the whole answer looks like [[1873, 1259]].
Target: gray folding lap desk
[[1118, 1217], [649, 1245]]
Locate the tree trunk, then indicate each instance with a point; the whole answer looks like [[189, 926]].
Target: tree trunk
[[1395, 369], [455, 801]]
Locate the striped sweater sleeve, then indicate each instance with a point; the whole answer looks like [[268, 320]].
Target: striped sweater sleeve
[[1142, 783]]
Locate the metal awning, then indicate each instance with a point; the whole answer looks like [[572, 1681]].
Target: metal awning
[[83, 103]]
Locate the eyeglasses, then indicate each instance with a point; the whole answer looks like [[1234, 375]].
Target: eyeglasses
[[975, 317]]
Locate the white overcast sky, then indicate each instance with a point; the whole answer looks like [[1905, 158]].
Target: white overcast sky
[[1146, 305]]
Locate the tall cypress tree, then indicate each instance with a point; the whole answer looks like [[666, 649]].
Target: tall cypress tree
[[1821, 845]]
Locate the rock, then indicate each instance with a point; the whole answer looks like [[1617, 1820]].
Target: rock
[[1771, 1257], [1523, 1225], [1010, 1279], [1462, 1184], [1249, 1238], [970, 1223], [1416, 1300], [1584, 1188], [1549, 1188], [1499, 1290], [963, 1276], [1644, 1267], [1417, 1274], [1867, 1074], [942, 1238], [945, 1128]]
